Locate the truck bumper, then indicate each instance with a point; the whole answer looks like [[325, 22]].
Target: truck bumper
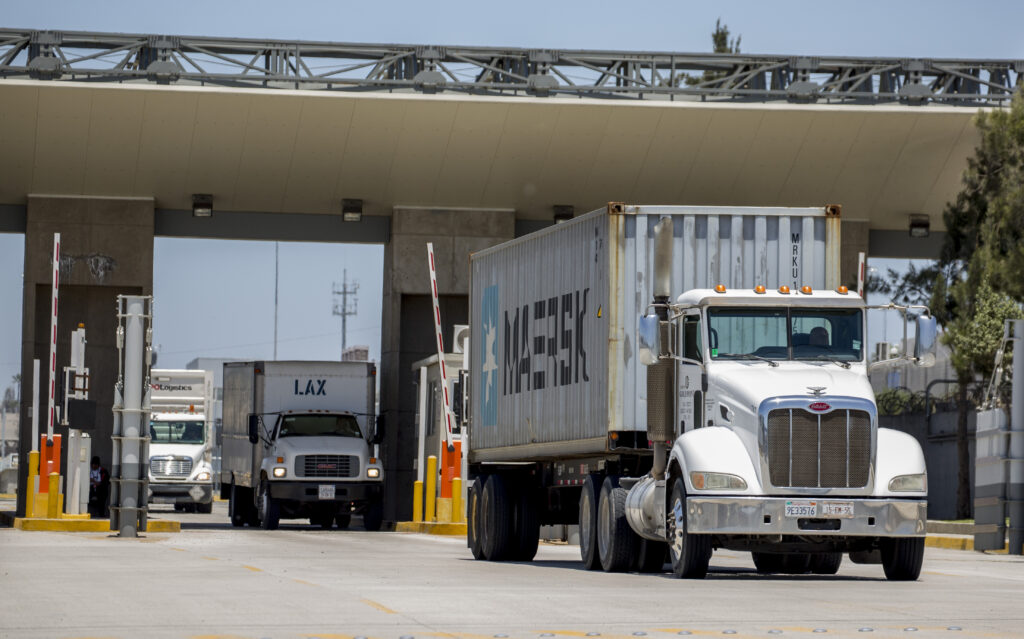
[[309, 491], [180, 493], [767, 516]]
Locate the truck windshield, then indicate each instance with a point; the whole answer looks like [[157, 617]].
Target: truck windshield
[[176, 432], [786, 333], [318, 426]]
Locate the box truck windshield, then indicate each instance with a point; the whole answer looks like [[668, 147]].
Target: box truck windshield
[[318, 426], [176, 432], [784, 334]]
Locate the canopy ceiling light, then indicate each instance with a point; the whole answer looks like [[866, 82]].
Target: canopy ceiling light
[[920, 226], [563, 213], [202, 205], [351, 210]]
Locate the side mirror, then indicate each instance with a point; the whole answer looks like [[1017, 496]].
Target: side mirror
[[378, 431], [254, 429], [924, 343], [648, 337]]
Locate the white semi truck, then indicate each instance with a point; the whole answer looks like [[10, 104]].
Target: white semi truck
[[299, 441], [181, 439], [680, 379]]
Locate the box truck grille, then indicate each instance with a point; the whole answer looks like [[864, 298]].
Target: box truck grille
[[812, 450], [169, 467], [327, 466]]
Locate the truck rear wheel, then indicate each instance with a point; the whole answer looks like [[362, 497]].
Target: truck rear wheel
[[237, 507], [474, 519], [373, 516], [690, 554], [269, 511], [527, 527], [588, 522], [826, 563], [651, 556], [767, 563], [902, 558], [616, 541], [343, 520], [497, 528]]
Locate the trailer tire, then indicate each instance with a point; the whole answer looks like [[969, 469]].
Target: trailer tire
[[826, 563], [343, 520], [767, 563], [690, 554], [373, 516], [269, 510], [588, 523], [616, 541], [902, 558], [473, 515], [236, 507], [527, 527], [497, 520], [651, 556]]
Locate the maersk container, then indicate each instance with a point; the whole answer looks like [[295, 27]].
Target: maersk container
[[554, 315]]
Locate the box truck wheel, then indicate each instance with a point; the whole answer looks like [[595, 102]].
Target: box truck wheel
[[902, 558], [588, 522], [651, 556], [322, 518], [473, 517], [689, 553], [497, 519], [616, 542], [826, 563], [206, 508], [373, 515], [343, 520], [527, 526], [269, 510]]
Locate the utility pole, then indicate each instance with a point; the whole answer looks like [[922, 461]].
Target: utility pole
[[342, 307]]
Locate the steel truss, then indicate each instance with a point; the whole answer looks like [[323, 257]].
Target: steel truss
[[110, 57]]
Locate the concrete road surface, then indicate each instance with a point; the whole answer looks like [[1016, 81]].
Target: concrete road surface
[[212, 580]]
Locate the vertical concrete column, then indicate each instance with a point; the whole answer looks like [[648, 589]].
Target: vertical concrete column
[[106, 250], [408, 330]]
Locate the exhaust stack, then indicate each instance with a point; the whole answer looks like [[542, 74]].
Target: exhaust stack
[[661, 376]]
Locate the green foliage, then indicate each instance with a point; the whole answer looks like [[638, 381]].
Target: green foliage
[[899, 401], [974, 339], [720, 43]]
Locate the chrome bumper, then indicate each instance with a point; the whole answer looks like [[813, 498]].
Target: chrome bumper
[[767, 516]]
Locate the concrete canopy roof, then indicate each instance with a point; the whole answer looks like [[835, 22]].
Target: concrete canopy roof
[[281, 151]]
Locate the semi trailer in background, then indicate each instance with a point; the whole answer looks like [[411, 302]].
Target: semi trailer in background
[[680, 379], [299, 441], [181, 439]]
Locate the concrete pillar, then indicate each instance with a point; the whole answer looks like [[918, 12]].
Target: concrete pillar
[[408, 329], [106, 250], [853, 240]]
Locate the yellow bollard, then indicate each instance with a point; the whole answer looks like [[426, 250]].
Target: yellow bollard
[[430, 512], [52, 501], [33, 474], [417, 501], [457, 516]]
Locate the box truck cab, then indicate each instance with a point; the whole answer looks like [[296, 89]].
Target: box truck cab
[[181, 439], [299, 442]]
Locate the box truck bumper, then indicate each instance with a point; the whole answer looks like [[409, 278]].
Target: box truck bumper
[[806, 516], [309, 491], [180, 493]]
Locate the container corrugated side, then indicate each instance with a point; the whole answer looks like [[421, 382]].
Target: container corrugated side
[[236, 451]]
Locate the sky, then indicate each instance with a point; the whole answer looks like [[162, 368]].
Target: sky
[[197, 316]]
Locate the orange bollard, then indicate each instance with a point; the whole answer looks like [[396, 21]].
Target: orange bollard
[[49, 460]]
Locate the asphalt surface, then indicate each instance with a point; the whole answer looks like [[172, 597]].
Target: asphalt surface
[[212, 580]]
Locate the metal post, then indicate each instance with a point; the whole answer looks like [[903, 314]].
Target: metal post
[[275, 296], [133, 318], [1015, 492], [35, 405]]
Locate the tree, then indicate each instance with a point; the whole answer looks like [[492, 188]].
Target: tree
[[720, 43]]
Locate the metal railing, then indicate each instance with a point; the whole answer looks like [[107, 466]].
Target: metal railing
[[277, 64]]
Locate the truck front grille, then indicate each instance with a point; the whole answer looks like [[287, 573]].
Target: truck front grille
[[812, 450], [170, 467], [327, 466]]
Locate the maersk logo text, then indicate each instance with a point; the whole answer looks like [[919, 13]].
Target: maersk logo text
[[544, 344]]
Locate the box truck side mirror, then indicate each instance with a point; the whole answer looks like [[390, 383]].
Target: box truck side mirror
[[648, 340], [378, 431], [925, 341], [254, 429]]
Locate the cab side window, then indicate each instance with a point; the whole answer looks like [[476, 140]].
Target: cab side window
[[692, 348]]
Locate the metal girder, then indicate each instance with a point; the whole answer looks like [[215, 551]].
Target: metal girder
[[111, 57]]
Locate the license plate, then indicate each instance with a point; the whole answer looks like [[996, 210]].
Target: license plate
[[837, 509], [801, 509], [326, 491]]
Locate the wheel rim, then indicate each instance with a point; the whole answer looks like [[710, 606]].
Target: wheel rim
[[678, 527], [585, 517], [604, 526]]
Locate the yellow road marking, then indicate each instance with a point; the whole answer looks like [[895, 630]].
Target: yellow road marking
[[212, 558], [381, 607], [304, 582], [177, 549], [252, 568]]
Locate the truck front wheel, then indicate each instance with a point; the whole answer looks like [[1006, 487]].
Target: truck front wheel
[[206, 508], [269, 511], [902, 558], [690, 554]]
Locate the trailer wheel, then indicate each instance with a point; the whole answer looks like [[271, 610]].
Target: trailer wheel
[[826, 563], [236, 507], [616, 541], [269, 510], [343, 520], [473, 515], [767, 563], [527, 527], [902, 558], [588, 523], [650, 556], [373, 516], [690, 554], [497, 528]]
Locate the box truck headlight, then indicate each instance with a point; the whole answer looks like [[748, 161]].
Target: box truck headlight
[[716, 481], [203, 476], [373, 473], [908, 483], [280, 471]]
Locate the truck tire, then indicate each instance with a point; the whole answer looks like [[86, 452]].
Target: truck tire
[[616, 541], [650, 556], [690, 554], [527, 527], [236, 507], [373, 516], [796, 563], [269, 511], [497, 528], [324, 520], [767, 563], [473, 517], [826, 563], [343, 520], [588, 522], [902, 558], [206, 508]]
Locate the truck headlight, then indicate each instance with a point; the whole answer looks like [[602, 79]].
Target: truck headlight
[[280, 471], [373, 473], [716, 481], [203, 476], [908, 483]]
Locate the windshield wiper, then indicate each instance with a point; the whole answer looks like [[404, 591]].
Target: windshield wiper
[[829, 358], [771, 362]]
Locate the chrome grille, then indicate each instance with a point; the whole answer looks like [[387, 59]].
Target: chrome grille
[[811, 450], [327, 466], [170, 467]]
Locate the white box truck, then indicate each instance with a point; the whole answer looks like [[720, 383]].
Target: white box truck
[[181, 439], [680, 379], [299, 441]]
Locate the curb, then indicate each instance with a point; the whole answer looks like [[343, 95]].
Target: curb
[[431, 528], [950, 542], [81, 525]]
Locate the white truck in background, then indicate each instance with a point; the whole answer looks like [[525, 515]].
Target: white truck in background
[[299, 441], [181, 439], [680, 379]]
